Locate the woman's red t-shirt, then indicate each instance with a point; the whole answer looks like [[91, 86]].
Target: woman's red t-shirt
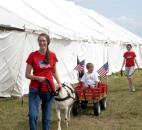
[[36, 60], [129, 56]]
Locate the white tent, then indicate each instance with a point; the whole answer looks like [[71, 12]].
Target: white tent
[[75, 31]]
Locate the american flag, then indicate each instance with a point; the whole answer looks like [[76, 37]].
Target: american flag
[[103, 70], [80, 66]]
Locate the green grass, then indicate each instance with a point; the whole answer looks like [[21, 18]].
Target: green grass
[[124, 110]]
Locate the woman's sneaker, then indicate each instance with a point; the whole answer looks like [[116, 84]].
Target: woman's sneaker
[[133, 90]]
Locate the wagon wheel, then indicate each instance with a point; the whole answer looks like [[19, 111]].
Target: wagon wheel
[[97, 109], [76, 108], [103, 103], [84, 104]]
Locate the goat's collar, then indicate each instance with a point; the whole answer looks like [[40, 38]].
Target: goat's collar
[[68, 96]]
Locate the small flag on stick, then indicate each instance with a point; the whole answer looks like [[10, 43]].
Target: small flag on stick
[[103, 70], [80, 66]]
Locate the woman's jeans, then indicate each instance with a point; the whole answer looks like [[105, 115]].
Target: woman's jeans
[[34, 102]]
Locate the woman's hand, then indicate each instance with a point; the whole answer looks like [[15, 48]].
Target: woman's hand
[[121, 72], [41, 79], [60, 86]]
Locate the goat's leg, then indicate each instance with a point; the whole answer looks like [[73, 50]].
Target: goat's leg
[[59, 118], [69, 113], [66, 116]]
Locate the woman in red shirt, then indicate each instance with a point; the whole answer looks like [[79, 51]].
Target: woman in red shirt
[[129, 62], [41, 65]]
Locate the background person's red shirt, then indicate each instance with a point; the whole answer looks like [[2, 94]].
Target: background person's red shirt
[[129, 56], [36, 59]]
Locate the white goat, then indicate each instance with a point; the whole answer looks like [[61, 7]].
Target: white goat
[[64, 100]]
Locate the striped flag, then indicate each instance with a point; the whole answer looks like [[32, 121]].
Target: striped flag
[[80, 66], [103, 70]]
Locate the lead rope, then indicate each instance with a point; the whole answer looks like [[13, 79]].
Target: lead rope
[[49, 85]]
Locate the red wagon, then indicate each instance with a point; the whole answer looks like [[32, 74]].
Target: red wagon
[[88, 96]]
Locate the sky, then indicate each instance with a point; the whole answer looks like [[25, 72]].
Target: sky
[[127, 13]]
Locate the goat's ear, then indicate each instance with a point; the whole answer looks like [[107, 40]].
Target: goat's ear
[[72, 84]]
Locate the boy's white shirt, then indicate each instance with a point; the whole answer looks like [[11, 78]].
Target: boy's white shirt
[[90, 78]]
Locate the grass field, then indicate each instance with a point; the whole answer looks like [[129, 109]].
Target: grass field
[[124, 110]]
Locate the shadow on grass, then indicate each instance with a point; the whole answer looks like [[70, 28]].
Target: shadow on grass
[[119, 90], [22, 125]]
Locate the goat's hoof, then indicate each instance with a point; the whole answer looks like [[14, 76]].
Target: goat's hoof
[[67, 125]]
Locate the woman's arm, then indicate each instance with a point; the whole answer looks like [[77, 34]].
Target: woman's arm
[[123, 63], [28, 74], [136, 63], [56, 76]]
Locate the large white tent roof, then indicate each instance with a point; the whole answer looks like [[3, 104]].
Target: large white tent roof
[[74, 31], [62, 19]]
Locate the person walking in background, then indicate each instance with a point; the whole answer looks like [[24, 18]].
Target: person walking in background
[[129, 62], [41, 65]]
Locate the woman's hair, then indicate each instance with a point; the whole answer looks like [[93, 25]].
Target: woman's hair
[[47, 57], [129, 45], [88, 65]]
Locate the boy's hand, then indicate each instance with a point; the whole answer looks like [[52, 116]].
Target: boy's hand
[[92, 86], [85, 85]]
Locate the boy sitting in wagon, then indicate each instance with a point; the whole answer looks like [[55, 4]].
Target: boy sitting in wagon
[[90, 78]]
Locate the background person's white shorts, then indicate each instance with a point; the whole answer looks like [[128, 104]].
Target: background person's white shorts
[[130, 71]]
